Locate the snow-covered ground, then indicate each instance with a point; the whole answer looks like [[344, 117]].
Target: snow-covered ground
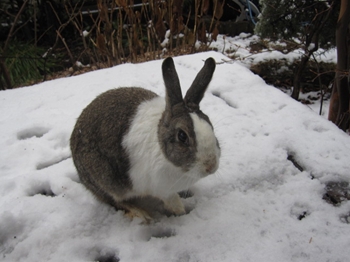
[[239, 48], [257, 207]]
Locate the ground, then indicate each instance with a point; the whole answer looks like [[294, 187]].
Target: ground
[[270, 198]]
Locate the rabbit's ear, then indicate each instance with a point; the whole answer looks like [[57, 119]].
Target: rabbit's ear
[[196, 92], [172, 83]]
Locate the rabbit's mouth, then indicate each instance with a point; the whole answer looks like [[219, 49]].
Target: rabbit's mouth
[[208, 168], [204, 169]]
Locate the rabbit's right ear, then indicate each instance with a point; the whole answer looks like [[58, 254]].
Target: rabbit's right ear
[[196, 92], [172, 83]]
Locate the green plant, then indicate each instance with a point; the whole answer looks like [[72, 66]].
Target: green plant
[[311, 22], [27, 63]]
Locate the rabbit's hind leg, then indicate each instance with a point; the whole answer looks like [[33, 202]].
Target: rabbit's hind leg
[[135, 212], [149, 208], [103, 179], [132, 210]]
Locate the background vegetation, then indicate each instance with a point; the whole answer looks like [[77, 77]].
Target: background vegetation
[[39, 38], [101, 33]]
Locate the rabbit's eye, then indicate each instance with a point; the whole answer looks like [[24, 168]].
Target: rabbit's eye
[[182, 136]]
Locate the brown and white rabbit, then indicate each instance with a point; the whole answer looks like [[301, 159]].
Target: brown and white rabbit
[[130, 143]]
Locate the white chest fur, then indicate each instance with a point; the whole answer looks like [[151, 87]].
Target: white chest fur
[[150, 171]]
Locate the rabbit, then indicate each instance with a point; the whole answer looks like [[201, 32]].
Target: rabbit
[[129, 143]]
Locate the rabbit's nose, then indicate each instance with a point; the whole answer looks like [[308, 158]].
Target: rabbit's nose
[[211, 169], [211, 166]]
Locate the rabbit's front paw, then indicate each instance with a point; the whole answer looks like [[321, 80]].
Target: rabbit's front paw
[[174, 204]]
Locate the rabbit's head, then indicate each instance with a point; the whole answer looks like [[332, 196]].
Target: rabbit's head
[[185, 133]]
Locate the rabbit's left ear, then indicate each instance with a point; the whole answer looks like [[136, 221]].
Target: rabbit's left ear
[[196, 92], [172, 83]]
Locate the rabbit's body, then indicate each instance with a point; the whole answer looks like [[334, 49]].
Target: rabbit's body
[[130, 143]]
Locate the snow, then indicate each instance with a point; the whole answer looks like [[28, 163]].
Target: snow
[[239, 48], [85, 33], [250, 210]]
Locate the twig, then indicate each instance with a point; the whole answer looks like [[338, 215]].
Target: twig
[[319, 82], [319, 74], [13, 26], [65, 44]]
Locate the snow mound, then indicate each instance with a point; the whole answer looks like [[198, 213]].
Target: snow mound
[[264, 204]]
